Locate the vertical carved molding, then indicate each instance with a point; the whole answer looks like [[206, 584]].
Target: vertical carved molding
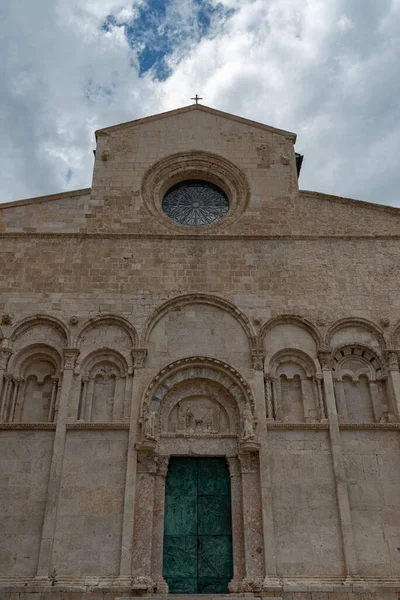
[[276, 397], [237, 524], [49, 523], [128, 520], [338, 467], [158, 525]]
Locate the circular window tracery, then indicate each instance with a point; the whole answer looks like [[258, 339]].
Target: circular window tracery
[[195, 202]]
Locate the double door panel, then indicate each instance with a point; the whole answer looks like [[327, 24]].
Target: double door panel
[[198, 526]]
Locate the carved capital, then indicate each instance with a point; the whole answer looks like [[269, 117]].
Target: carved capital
[[147, 462], [234, 466], [139, 357], [325, 359], [257, 359], [162, 464], [70, 355], [392, 360], [5, 354], [248, 462]]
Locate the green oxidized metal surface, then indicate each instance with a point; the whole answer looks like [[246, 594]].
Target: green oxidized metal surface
[[198, 530]]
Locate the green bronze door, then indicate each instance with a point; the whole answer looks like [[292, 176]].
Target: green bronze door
[[198, 526]]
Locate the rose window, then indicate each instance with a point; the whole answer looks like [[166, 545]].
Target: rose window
[[195, 202]]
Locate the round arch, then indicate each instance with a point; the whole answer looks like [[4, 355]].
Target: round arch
[[207, 299], [293, 354], [355, 322], [41, 319], [294, 320], [103, 355], [33, 352], [108, 320], [195, 367]]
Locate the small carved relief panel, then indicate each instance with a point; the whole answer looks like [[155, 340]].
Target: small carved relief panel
[[198, 415]]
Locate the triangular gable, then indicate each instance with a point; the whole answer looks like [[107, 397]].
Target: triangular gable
[[212, 111]]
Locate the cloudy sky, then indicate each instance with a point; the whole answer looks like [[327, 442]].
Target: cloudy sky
[[327, 69]]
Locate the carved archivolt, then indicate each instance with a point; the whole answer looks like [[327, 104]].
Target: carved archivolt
[[180, 301], [197, 395], [360, 386], [103, 387], [195, 165], [30, 392], [293, 388]]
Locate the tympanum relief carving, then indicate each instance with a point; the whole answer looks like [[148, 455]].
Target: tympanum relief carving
[[198, 414]]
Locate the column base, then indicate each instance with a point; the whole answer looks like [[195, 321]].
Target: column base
[[143, 584], [161, 586], [271, 584], [251, 585]]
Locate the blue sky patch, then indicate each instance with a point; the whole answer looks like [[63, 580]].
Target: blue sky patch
[[158, 30]]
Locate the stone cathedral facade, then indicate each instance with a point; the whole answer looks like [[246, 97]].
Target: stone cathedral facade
[[199, 376]]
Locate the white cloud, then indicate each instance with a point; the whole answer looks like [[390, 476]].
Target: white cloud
[[327, 70]]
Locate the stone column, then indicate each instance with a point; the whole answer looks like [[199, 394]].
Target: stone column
[[5, 401], [341, 400], [394, 380], [237, 524], [128, 396], [268, 397], [265, 482], [144, 512], [54, 381], [50, 515], [158, 525], [16, 383], [139, 356], [338, 467], [5, 354]]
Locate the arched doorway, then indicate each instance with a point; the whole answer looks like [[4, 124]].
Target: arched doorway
[[198, 483]]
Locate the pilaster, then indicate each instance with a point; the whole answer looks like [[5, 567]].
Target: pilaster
[[237, 524], [158, 525], [325, 359], [128, 519], [265, 477], [49, 524]]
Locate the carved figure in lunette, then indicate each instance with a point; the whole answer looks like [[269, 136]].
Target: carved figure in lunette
[[248, 424], [149, 424]]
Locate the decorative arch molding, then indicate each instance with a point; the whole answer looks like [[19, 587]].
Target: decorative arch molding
[[108, 320], [293, 354], [195, 367], [23, 357], [103, 355], [195, 165], [41, 319], [361, 389], [290, 395], [207, 299], [293, 320], [32, 385], [355, 322], [373, 366]]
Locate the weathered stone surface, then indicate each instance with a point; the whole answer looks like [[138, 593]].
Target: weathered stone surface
[[271, 338]]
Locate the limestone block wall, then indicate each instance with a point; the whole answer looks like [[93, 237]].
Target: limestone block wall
[[25, 458], [89, 517]]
